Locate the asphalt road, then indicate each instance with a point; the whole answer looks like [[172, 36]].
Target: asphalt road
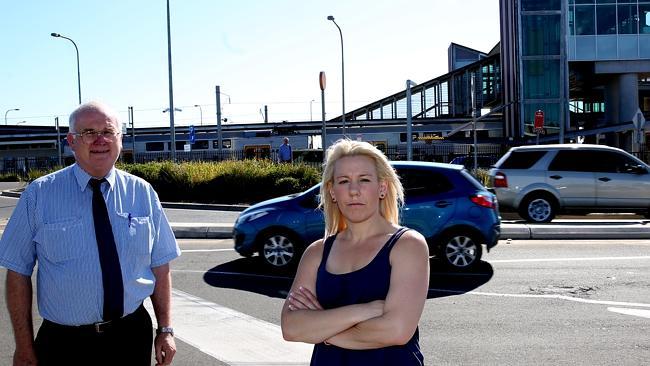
[[530, 302]]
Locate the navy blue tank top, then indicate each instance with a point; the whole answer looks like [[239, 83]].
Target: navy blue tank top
[[363, 285]]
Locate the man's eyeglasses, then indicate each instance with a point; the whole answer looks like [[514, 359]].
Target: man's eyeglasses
[[91, 136]]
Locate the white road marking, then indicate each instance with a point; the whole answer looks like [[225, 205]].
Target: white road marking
[[230, 336], [548, 296], [635, 312], [206, 250], [567, 259]]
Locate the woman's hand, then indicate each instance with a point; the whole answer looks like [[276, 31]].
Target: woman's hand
[[303, 299]]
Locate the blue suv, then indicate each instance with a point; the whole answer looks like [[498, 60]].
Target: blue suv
[[454, 212]]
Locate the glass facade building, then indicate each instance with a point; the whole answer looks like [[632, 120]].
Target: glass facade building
[[584, 63]]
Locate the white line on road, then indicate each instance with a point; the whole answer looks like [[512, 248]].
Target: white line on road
[[566, 259], [635, 312], [230, 336], [547, 296], [206, 250]]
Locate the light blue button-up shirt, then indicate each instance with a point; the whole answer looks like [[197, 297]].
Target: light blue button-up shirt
[[53, 224]]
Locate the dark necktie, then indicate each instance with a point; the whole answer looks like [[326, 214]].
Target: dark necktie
[[108, 258]]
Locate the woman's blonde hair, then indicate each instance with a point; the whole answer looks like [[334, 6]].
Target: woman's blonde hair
[[388, 207]]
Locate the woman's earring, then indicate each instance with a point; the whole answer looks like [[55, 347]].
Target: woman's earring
[[333, 199], [382, 195]]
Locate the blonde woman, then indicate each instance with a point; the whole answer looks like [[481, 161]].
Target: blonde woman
[[358, 293]]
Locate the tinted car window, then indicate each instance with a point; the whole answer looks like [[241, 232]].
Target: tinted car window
[[420, 182], [522, 159], [575, 161], [613, 162]]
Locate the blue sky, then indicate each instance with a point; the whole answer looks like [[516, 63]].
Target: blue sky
[[260, 53]]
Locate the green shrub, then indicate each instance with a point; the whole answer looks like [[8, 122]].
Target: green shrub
[[9, 177], [247, 181]]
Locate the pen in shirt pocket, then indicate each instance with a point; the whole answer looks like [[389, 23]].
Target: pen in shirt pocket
[[129, 220]]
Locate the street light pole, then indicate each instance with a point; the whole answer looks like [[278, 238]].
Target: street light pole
[[57, 35], [311, 116], [172, 130], [201, 111], [10, 110], [342, 73]]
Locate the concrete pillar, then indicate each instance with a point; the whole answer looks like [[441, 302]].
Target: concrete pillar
[[621, 104]]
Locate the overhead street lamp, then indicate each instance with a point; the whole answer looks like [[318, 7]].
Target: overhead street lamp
[[330, 17], [201, 111], [20, 122], [175, 110], [57, 35], [10, 110]]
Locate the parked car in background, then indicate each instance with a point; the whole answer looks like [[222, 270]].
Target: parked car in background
[[454, 212], [540, 181], [483, 161]]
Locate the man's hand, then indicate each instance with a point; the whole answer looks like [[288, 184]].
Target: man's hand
[[25, 357], [165, 347]]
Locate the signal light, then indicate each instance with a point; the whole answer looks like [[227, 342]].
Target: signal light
[[482, 200], [500, 180]]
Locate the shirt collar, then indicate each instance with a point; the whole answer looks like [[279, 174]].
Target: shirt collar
[[83, 178]]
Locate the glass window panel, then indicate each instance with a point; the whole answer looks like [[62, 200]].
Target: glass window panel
[[541, 35], [572, 20], [605, 1], [585, 20], [532, 5], [606, 19], [644, 12], [606, 47], [542, 79], [584, 1], [628, 46], [627, 19]]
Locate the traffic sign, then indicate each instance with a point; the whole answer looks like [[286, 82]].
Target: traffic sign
[[192, 134]]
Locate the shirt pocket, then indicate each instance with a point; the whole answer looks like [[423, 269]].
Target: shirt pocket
[[60, 240], [134, 233]]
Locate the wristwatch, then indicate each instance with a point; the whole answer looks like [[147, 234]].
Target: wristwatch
[[169, 330]]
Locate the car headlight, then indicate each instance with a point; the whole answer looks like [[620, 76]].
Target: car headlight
[[255, 216]]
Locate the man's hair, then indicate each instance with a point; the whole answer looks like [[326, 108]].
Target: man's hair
[[93, 106], [388, 207]]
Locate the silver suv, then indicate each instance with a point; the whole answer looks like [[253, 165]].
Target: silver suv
[[540, 181]]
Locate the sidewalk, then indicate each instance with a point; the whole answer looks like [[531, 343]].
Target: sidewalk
[[606, 227]]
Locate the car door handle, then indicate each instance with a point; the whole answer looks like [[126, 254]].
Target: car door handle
[[604, 179], [442, 204], [555, 177]]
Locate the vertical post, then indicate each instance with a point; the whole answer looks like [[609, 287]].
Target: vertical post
[[217, 91], [473, 91], [58, 141], [132, 132], [409, 122], [266, 114], [172, 130], [322, 82]]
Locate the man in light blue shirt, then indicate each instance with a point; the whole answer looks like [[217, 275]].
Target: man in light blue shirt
[[55, 224], [285, 155]]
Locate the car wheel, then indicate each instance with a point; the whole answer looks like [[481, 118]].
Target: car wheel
[[537, 208], [460, 250], [279, 249]]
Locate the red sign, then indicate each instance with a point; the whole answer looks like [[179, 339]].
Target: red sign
[[539, 120], [321, 80]]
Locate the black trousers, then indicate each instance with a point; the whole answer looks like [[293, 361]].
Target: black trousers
[[127, 341]]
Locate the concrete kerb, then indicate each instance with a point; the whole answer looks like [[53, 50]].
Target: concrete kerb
[[559, 229]]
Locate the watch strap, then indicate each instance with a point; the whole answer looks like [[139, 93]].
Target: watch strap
[[169, 330]]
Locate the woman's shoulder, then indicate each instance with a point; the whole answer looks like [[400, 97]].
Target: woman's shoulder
[[314, 250], [413, 242]]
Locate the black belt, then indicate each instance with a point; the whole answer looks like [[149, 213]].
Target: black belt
[[99, 327]]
